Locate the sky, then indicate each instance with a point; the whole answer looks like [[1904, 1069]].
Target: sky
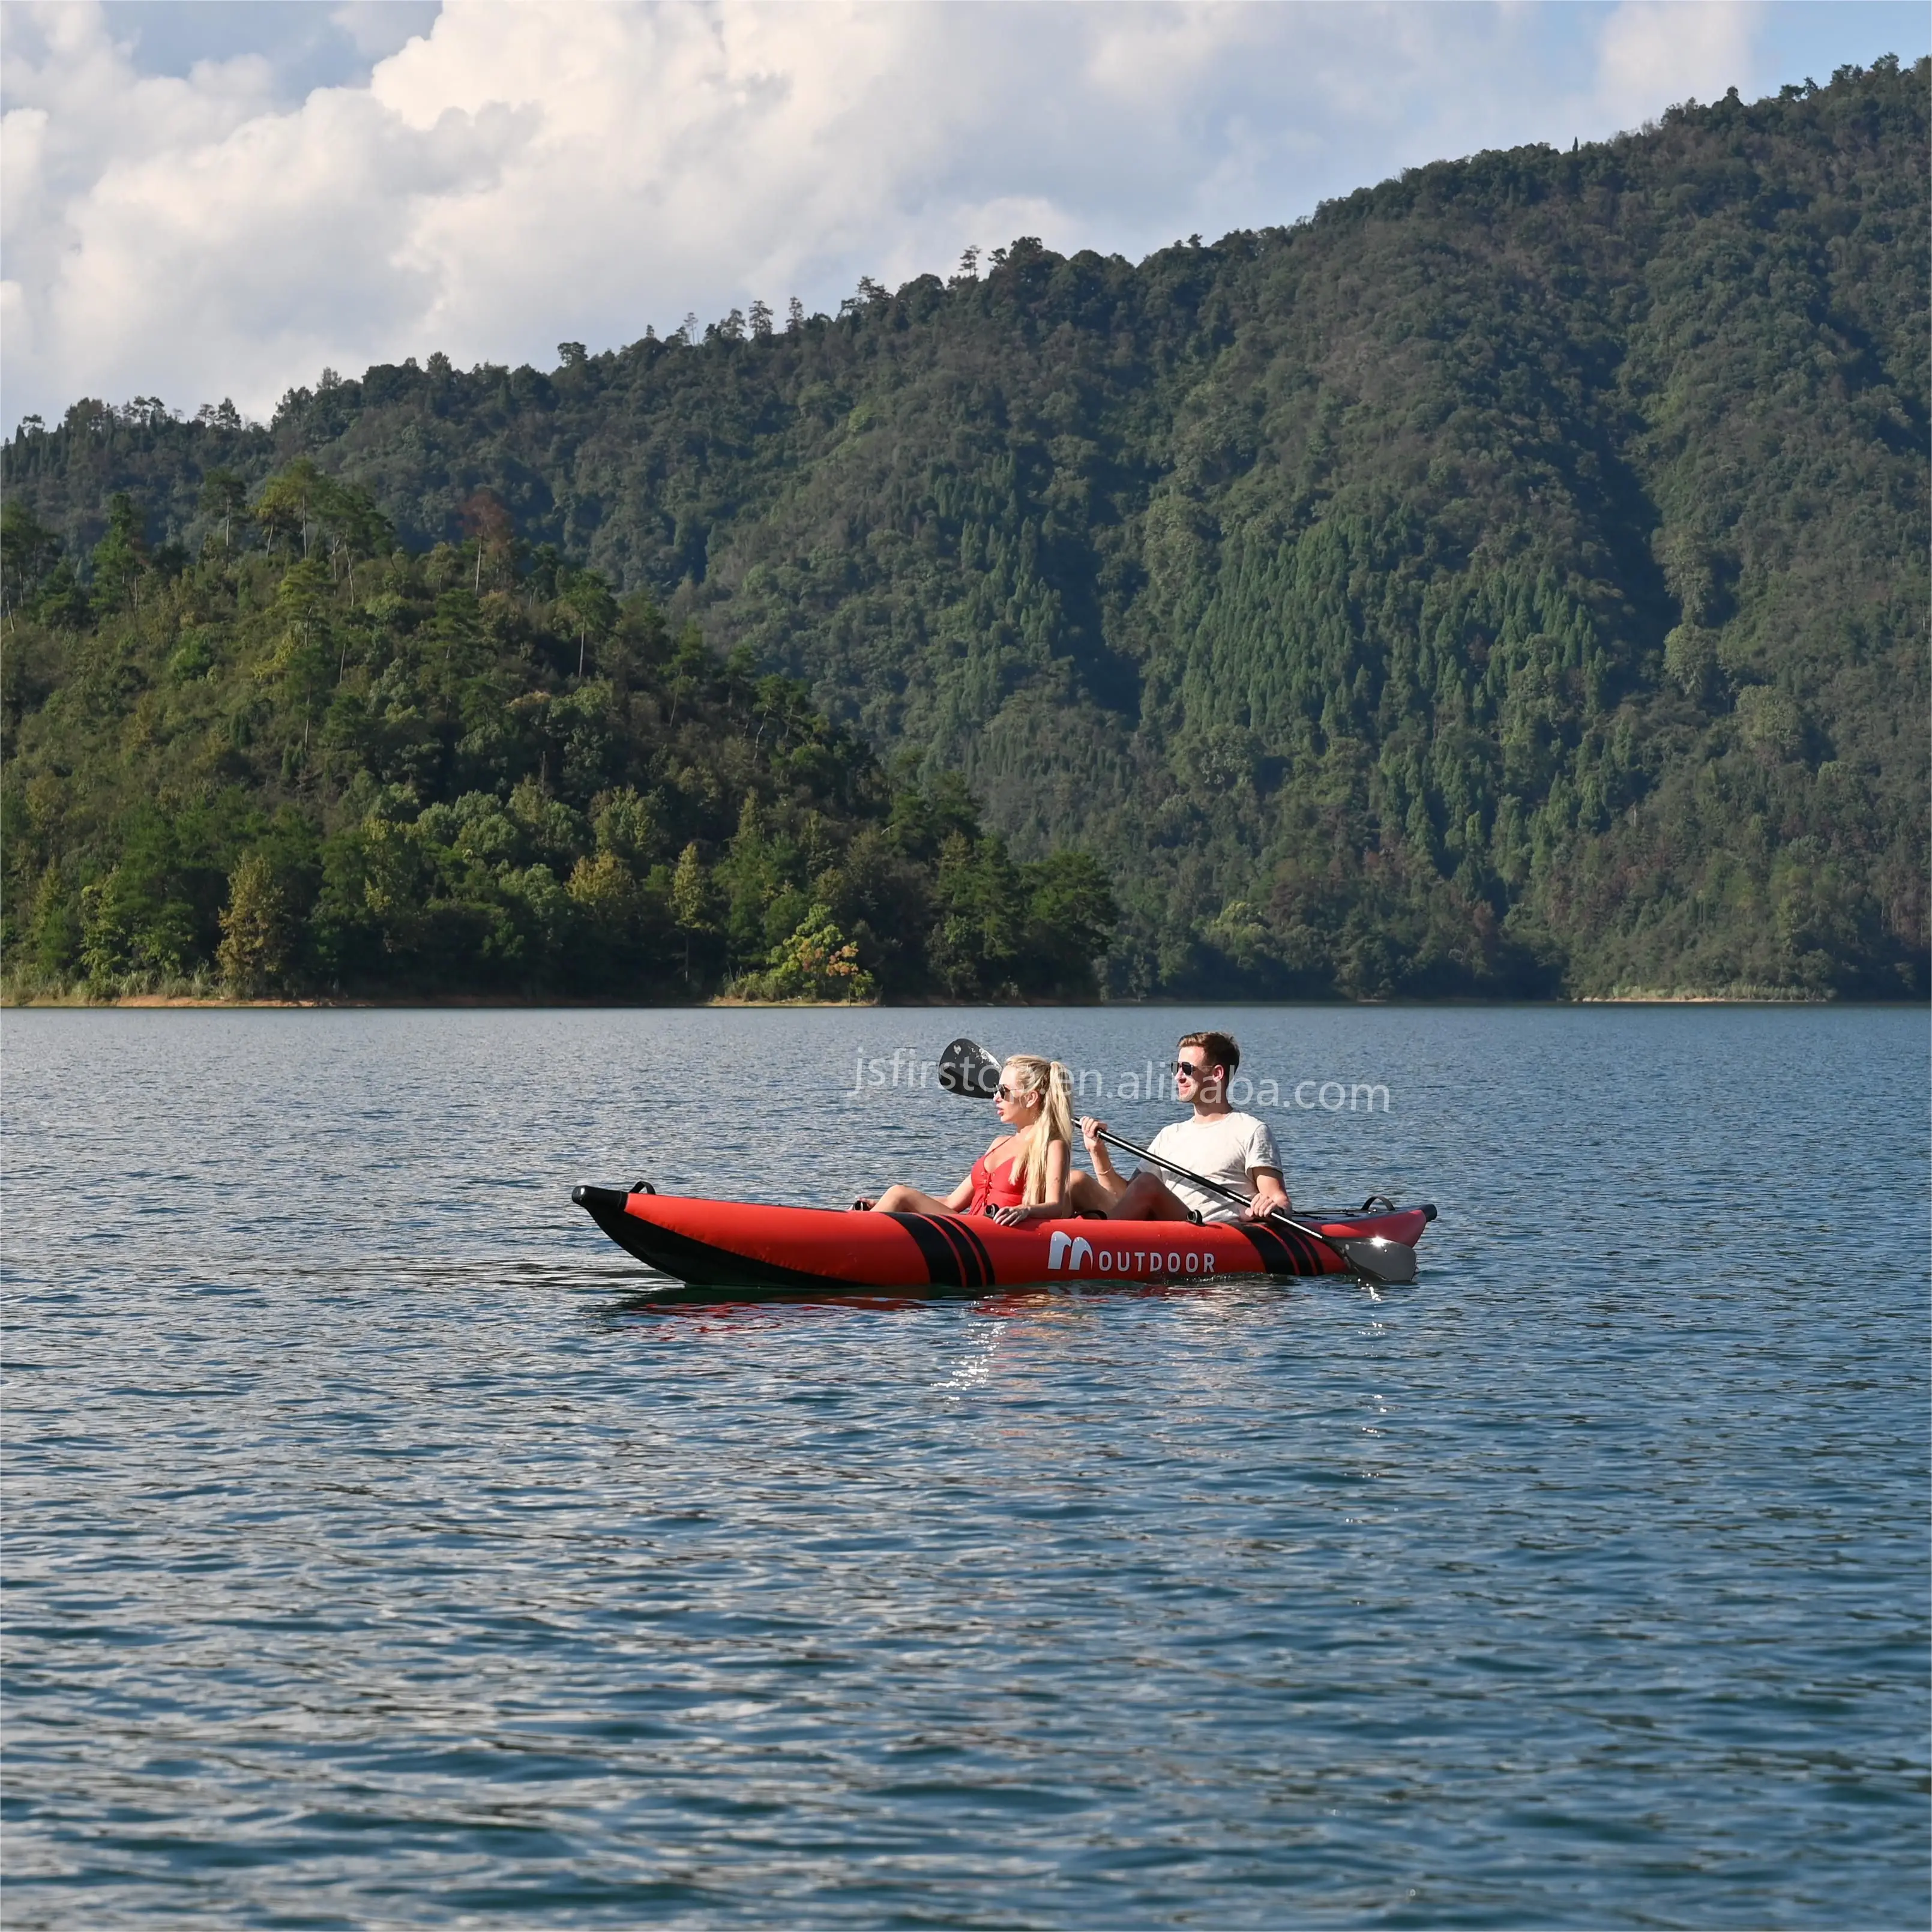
[[219, 199]]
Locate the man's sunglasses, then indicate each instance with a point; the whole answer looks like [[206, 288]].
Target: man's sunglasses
[[1187, 1073]]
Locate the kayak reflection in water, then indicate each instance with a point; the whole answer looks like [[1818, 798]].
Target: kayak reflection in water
[[1023, 1176]]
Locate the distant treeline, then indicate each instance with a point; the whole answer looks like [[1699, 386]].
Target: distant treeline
[[1511, 581], [307, 762]]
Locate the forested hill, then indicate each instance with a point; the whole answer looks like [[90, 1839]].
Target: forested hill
[[1511, 581]]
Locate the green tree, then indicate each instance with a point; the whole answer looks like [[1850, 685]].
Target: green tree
[[225, 495], [300, 663], [257, 934], [691, 904], [980, 907], [488, 524], [352, 525], [816, 962], [28, 551], [119, 557], [55, 942], [1071, 918], [585, 603], [285, 511]]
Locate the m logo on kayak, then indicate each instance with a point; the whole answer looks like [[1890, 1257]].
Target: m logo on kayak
[[1058, 1250], [1071, 1253]]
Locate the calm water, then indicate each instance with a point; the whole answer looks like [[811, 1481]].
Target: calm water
[[373, 1559]]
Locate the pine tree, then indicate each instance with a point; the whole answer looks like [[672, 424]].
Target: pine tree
[[256, 931]]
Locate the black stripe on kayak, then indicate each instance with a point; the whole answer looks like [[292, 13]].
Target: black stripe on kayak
[[976, 1266], [972, 1234], [1313, 1253], [1322, 1257], [1284, 1250], [942, 1258]]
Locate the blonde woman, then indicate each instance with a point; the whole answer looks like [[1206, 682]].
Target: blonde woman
[[1023, 1176]]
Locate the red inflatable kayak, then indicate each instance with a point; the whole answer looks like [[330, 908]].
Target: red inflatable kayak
[[739, 1243]]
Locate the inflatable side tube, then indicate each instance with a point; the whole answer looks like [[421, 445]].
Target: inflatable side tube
[[709, 1243]]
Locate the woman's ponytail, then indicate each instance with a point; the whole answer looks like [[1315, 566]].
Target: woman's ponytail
[[1058, 1113], [1054, 1121]]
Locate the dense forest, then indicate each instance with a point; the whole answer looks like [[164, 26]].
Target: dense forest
[[319, 764], [1511, 581]]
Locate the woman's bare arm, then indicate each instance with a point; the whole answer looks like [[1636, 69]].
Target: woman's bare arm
[[1056, 1206]]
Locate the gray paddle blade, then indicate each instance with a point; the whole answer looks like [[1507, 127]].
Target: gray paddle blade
[[966, 1067], [1376, 1256]]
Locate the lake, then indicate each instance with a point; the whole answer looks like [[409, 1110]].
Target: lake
[[374, 1559]]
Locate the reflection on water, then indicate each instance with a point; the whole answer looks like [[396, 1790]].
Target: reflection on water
[[379, 1553]]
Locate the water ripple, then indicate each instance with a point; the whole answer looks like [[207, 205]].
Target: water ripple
[[377, 1555]]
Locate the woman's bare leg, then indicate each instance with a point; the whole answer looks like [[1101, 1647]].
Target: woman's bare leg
[[1146, 1198], [1088, 1195], [898, 1199]]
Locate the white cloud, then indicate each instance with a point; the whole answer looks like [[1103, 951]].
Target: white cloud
[[1656, 53], [523, 173], [377, 27]]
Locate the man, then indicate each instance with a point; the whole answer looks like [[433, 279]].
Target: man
[[1234, 1149]]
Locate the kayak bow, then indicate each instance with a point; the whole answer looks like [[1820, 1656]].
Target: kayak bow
[[742, 1243]]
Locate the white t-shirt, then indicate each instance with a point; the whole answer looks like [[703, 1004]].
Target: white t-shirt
[[1222, 1147]]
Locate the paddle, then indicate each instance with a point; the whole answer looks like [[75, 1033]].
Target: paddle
[[966, 1068]]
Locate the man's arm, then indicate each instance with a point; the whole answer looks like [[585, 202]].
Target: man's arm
[[1106, 1176], [1270, 1197]]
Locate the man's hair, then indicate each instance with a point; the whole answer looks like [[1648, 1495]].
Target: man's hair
[[1218, 1047]]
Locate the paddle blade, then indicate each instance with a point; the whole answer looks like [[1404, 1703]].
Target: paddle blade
[[1381, 1260], [966, 1067]]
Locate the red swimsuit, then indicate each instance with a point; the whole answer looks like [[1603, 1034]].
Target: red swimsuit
[[1005, 1189]]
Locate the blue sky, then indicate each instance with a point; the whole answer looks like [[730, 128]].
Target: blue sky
[[313, 43], [205, 200]]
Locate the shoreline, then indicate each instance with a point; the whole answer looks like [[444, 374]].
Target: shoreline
[[479, 1002]]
